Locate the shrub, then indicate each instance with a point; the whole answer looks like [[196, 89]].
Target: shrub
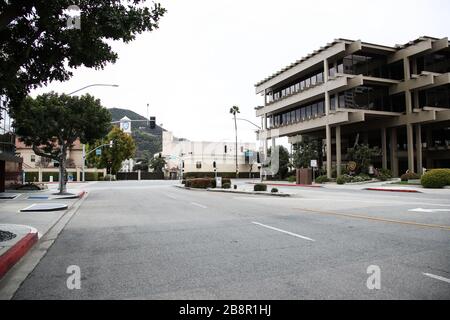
[[357, 179], [384, 174], [226, 185], [93, 176], [436, 178], [200, 183], [322, 179], [364, 177], [107, 177], [409, 176], [274, 190], [345, 178], [340, 180], [260, 187], [292, 179]]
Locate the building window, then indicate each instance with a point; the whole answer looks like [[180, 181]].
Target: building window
[[333, 103], [198, 164]]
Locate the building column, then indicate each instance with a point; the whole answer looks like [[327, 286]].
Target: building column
[[338, 151], [419, 148], [383, 149], [429, 137], [78, 174], [394, 152], [328, 143], [410, 146], [39, 174]]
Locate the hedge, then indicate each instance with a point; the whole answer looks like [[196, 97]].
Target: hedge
[[204, 183], [322, 179], [231, 175], [409, 176], [436, 178], [260, 187]]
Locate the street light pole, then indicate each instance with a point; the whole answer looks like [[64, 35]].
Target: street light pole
[[84, 146]]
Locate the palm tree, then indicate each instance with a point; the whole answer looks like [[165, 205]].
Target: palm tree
[[233, 111]]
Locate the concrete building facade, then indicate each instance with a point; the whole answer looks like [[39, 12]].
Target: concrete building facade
[[396, 98], [198, 156]]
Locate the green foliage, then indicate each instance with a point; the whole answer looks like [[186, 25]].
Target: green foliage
[[274, 190], [283, 161], [305, 151], [200, 183], [31, 176], [37, 47], [436, 178], [409, 176], [158, 164], [322, 179], [291, 179], [345, 178], [260, 187], [383, 174], [112, 158], [363, 155]]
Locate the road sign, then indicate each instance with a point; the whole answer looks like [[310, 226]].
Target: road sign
[[313, 163], [98, 152]]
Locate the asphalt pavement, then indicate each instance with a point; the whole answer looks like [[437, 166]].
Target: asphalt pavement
[[150, 240]]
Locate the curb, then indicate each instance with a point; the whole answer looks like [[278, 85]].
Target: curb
[[17, 251], [288, 184], [273, 194], [392, 190]]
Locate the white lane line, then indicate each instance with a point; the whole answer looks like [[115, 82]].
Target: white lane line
[[171, 197], [198, 205], [436, 277], [283, 231]]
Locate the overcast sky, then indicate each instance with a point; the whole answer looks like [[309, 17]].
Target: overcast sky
[[208, 54]]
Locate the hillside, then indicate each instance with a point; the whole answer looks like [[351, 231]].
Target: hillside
[[148, 141]]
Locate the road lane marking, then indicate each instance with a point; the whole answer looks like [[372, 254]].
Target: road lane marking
[[171, 197], [357, 216], [199, 205], [436, 277], [429, 210], [283, 231]]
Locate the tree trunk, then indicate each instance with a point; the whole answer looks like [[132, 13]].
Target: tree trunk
[[62, 169]]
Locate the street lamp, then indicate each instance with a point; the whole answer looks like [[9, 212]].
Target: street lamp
[[88, 86]]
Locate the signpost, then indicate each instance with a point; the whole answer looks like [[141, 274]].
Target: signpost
[[314, 167], [218, 182]]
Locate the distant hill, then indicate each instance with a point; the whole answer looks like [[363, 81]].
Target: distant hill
[[148, 141]]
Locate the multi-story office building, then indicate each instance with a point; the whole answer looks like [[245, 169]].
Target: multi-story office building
[[396, 98]]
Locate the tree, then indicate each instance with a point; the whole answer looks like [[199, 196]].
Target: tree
[[38, 46], [306, 150], [123, 148], [234, 110], [158, 164], [51, 123], [363, 156], [283, 161]]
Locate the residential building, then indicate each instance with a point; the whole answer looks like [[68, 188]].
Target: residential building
[[199, 157], [396, 98], [10, 163]]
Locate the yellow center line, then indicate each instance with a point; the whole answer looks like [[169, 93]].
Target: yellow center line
[[357, 216]]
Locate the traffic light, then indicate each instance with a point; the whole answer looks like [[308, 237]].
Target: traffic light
[[152, 122], [214, 164], [257, 157], [182, 164], [225, 149]]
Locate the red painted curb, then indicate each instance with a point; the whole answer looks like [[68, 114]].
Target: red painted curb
[[289, 185], [393, 190], [16, 252], [81, 194]]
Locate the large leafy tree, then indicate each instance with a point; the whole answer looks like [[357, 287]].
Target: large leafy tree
[[51, 123], [37, 46], [123, 148], [363, 155], [283, 161], [306, 150], [158, 164]]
